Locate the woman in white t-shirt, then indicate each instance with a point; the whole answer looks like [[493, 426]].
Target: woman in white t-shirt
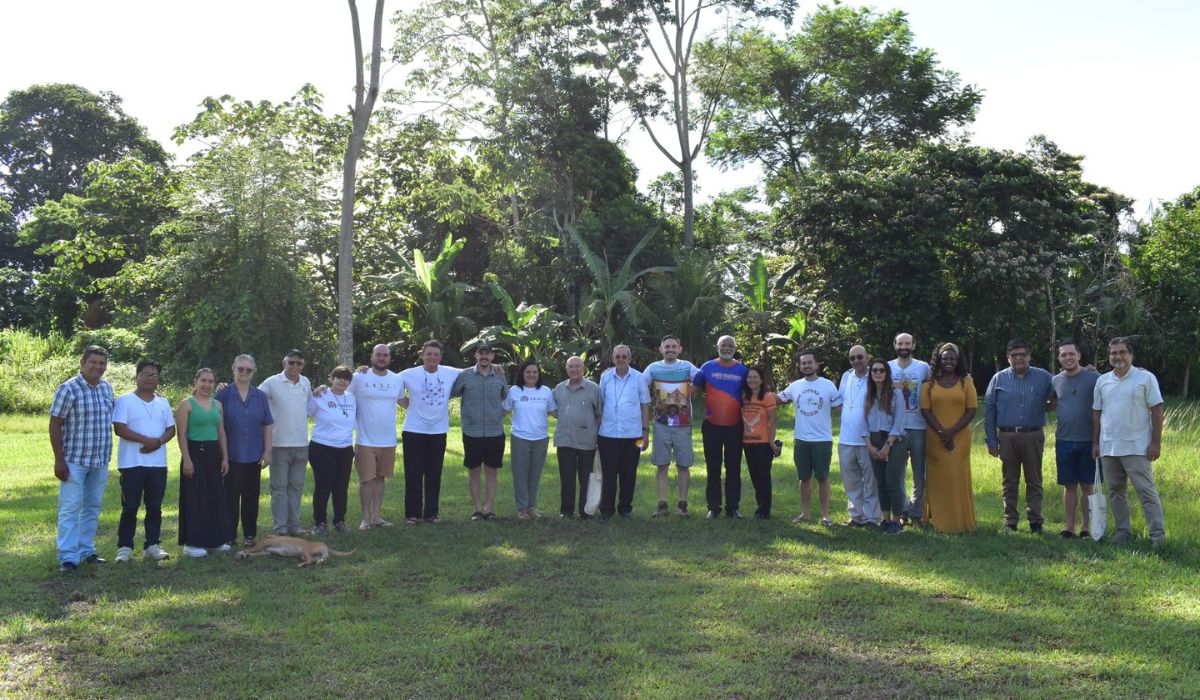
[[331, 449], [530, 402]]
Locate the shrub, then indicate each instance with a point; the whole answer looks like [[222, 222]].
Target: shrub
[[123, 345]]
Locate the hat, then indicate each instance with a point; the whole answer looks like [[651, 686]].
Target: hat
[[295, 352], [483, 347]]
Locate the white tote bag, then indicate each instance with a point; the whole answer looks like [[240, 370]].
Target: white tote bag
[[592, 504], [1098, 505]]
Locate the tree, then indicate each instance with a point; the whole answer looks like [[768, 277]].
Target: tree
[[360, 116], [762, 304], [670, 32], [529, 331], [1167, 259], [689, 300], [425, 299], [851, 79]]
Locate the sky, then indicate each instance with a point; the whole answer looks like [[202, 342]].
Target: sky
[[1111, 80]]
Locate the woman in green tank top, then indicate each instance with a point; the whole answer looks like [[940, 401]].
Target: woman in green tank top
[[203, 524]]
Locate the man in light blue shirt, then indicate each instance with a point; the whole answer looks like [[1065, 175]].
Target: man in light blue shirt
[[1014, 414], [624, 431]]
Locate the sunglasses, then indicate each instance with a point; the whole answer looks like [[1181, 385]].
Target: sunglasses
[[245, 369], [878, 370], [858, 357], [295, 363]]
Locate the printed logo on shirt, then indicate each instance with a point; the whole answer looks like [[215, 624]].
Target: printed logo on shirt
[[810, 403]]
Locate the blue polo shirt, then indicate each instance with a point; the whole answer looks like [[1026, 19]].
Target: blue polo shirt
[[244, 421], [1015, 402]]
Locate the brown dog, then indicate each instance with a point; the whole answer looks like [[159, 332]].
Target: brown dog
[[308, 552]]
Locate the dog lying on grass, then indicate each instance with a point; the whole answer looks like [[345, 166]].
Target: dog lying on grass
[[308, 552]]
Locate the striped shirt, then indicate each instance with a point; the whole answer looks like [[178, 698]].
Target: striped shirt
[[87, 413]]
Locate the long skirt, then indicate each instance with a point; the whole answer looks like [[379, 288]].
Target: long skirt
[[203, 512]]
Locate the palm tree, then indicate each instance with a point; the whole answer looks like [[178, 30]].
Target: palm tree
[[691, 302], [529, 331], [761, 303]]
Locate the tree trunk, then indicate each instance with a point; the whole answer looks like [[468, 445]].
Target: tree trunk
[[1053, 330], [1187, 373], [364, 104]]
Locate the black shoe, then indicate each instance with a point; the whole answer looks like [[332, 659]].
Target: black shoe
[[624, 515], [1036, 529], [585, 516], [714, 514], [1010, 528], [762, 516], [1066, 534], [94, 558], [67, 567]]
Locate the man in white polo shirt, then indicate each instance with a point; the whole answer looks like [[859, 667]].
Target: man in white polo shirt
[[1127, 437], [287, 393], [145, 423]]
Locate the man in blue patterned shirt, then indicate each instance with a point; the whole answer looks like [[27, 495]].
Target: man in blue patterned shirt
[[1014, 414], [81, 438]]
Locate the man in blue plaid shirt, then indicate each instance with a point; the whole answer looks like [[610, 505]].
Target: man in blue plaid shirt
[[81, 437]]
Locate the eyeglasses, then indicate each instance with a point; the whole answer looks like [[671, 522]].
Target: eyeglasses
[[878, 370], [858, 357], [148, 375], [246, 369], [1018, 354], [295, 363]]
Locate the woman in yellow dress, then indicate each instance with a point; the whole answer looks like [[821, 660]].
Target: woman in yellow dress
[[948, 404]]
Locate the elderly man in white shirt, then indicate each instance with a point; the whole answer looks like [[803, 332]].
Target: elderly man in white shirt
[[624, 420]]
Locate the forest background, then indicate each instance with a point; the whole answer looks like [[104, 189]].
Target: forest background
[[497, 200]]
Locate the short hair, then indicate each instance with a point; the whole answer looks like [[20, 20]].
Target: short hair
[[341, 372], [807, 351], [1122, 340], [519, 380], [665, 338], [431, 344], [143, 364], [1072, 342], [201, 371], [244, 356], [1016, 344], [93, 350]]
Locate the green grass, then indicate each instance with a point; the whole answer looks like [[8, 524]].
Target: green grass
[[674, 608]]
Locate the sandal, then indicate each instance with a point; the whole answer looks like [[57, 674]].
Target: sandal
[[410, 521], [826, 522], [489, 516], [800, 519]]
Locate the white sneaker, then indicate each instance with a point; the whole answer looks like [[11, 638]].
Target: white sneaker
[[155, 552], [124, 553], [196, 552], [223, 548]]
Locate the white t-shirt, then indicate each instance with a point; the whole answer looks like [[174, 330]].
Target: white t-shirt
[[149, 418], [813, 400], [853, 420], [1124, 405], [376, 396], [428, 399], [529, 407], [333, 418], [289, 408], [908, 380]]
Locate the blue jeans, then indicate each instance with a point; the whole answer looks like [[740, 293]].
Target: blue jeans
[[79, 499]]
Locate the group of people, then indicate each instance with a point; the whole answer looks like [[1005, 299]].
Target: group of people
[[896, 417]]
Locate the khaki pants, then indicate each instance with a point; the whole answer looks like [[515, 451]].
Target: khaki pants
[[1136, 468], [1021, 453]]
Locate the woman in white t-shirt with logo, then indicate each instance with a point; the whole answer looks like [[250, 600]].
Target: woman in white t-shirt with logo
[[331, 449], [530, 402]]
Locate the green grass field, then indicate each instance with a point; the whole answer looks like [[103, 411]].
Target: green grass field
[[676, 608]]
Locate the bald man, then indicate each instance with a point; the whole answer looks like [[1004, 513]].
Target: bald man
[[854, 461], [377, 391], [908, 374]]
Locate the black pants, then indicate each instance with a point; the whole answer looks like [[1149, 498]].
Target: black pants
[[759, 457], [138, 484], [618, 461], [723, 446], [243, 485], [331, 477], [424, 455], [573, 465]]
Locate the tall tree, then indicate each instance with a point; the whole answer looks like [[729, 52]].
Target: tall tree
[[670, 32], [366, 91], [849, 79]]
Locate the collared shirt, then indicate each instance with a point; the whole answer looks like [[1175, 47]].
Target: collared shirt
[[1073, 414], [289, 407], [482, 413], [1015, 402], [852, 423], [1124, 404], [86, 412], [578, 408], [878, 420], [244, 421], [621, 400]]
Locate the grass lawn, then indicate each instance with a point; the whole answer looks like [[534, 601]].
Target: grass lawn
[[662, 608]]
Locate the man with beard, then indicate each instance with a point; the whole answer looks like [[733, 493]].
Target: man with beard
[[669, 381], [812, 451], [377, 392], [482, 389], [1074, 387], [1127, 437], [908, 374], [426, 422]]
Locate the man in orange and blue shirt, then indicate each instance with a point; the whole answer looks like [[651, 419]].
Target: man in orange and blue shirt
[[721, 379]]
